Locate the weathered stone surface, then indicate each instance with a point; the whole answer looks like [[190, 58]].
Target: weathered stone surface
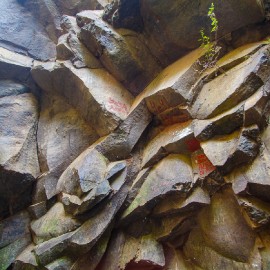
[[17, 39], [123, 54], [253, 178], [14, 66], [124, 14], [171, 35], [64, 263], [178, 138], [264, 251], [125, 250], [227, 90], [26, 260], [222, 124], [256, 106], [171, 227], [18, 160], [173, 86], [53, 249], [257, 211], [48, 14], [62, 136], [177, 205], [176, 260], [172, 174], [228, 151], [9, 253], [174, 115], [37, 210], [119, 144], [84, 173], [91, 259], [87, 16], [223, 238], [202, 166], [137, 183], [53, 224], [14, 228], [97, 93]]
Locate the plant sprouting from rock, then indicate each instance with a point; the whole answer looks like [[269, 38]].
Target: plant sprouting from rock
[[209, 42]]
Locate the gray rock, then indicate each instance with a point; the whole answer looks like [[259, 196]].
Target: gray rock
[[119, 144], [97, 93], [122, 53], [18, 160], [62, 136], [17, 39], [173, 174]]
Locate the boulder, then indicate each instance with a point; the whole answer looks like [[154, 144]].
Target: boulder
[[226, 90], [122, 53], [97, 93], [18, 160], [228, 151], [253, 178], [257, 212], [177, 205], [91, 259], [223, 236], [14, 66], [62, 136], [26, 260], [120, 143], [173, 174], [125, 251], [54, 223], [178, 138]]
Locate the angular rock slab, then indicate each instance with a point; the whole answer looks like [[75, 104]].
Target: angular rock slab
[[122, 53], [178, 138], [173, 174], [14, 66], [177, 205], [119, 144], [257, 212], [62, 136], [227, 90], [54, 223], [253, 178], [101, 100], [18, 160], [228, 151], [173, 86], [84, 173], [125, 251]]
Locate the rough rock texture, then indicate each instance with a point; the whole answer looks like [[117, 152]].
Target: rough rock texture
[[92, 178]]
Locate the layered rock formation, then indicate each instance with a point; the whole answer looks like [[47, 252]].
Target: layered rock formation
[[119, 150]]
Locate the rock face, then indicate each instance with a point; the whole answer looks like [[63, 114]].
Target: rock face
[[115, 154], [19, 162]]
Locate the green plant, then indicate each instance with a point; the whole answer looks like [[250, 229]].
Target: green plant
[[209, 42]]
